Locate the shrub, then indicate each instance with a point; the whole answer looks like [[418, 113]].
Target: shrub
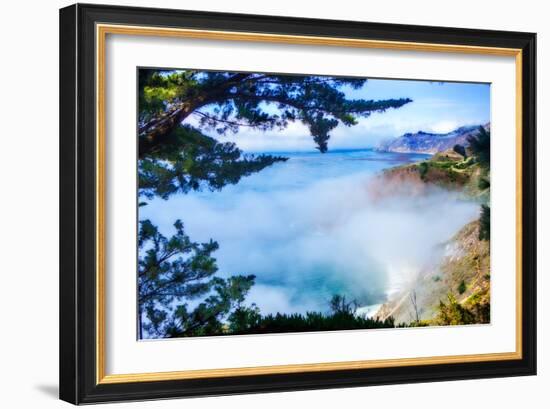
[[342, 317], [480, 145], [423, 169], [460, 150], [483, 183], [453, 313], [485, 223], [478, 305]]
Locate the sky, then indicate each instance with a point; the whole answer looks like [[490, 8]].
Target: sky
[[437, 107]]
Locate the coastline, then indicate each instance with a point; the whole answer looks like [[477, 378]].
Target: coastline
[[461, 273]]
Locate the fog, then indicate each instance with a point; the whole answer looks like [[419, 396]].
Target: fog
[[308, 231]]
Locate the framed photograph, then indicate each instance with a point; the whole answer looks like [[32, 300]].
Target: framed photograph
[[258, 203]]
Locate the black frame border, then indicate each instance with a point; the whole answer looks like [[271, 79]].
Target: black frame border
[[78, 204]]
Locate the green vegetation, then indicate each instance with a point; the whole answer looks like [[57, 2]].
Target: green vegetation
[[461, 168], [446, 169], [485, 223], [191, 160], [473, 311], [461, 150], [478, 304], [342, 316], [483, 183], [179, 292], [453, 313], [475, 308], [311, 321], [462, 287], [465, 164], [460, 292], [176, 268], [454, 169], [423, 169], [225, 101], [480, 145]]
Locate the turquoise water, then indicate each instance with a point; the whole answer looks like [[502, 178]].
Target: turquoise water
[[308, 229]]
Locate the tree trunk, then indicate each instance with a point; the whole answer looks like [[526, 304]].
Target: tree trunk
[[157, 132]]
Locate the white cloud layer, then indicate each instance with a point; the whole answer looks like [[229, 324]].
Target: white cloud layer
[[306, 244]]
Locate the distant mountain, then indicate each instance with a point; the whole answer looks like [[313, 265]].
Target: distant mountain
[[425, 142]]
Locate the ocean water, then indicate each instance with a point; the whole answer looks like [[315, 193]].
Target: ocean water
[[308, 229], [303, 169]]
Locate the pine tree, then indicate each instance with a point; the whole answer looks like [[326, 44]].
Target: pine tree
[[179, 293], [485, 223], [175, 271], [193, 161], [480, 146], [226, 101]]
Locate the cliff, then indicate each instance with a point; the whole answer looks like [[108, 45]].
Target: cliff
[[462, 274], [426, 142]]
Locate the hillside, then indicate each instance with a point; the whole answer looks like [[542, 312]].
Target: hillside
[[449, 170], [462, 276], [455, 288], [425, 142]]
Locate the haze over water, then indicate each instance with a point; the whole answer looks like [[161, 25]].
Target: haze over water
[[308, 229]]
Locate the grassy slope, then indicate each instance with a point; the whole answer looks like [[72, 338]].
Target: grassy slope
[[448, 170]]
